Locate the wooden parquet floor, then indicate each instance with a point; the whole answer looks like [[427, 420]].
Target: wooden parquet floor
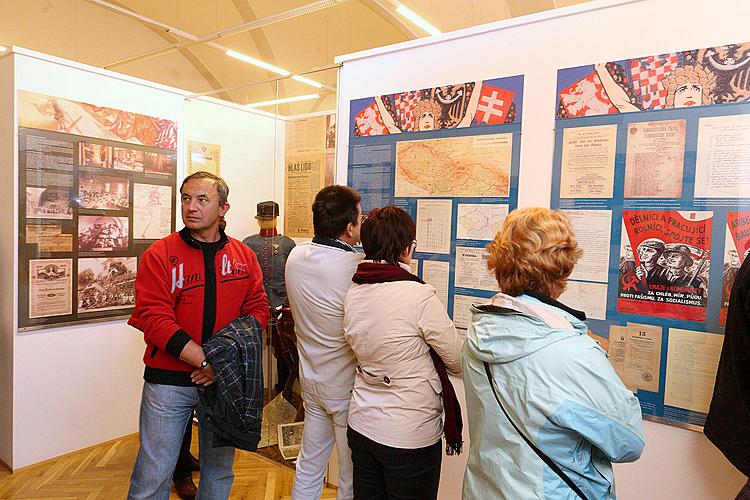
[[103, 472]]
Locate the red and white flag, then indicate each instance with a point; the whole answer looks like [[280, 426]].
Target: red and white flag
[[369, 122], [647, 74], [586, 97], [493, 105], [405, 103]]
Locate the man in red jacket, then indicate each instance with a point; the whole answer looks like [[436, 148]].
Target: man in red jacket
[[189, 286]]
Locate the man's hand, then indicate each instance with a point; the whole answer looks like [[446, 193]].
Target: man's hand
[[193, 353], [641, 272], [203, 376]]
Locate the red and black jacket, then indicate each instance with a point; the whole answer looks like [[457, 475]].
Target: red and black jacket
[[186, 289]]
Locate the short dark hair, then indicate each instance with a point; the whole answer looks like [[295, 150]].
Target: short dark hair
[[219, 183], [386, 232], [334, 208]]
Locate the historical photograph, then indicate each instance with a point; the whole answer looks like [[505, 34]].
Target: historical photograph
[[106, 283], [159, 163], [48, 203], [106, 192], [94, 155], [102, 234], [128, 159], [290, 439]]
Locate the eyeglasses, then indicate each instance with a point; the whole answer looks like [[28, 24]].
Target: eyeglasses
[[413, 245]]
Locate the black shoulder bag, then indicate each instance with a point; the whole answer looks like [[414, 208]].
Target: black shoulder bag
[[550, 463]]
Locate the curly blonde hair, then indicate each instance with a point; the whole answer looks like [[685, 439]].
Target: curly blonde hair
[[690, 74], [535, 249]]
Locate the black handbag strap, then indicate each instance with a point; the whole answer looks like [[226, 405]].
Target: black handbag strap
[[547, 460]]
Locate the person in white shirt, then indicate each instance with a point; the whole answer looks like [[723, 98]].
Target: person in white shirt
[[403, 340], [318, 276]]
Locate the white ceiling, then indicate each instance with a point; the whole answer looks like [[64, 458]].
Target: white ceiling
[[85, 31]]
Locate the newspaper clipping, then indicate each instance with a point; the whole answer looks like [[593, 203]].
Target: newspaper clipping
[[655, 155]]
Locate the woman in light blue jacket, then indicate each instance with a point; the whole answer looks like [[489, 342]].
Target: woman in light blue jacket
[[547, 413]]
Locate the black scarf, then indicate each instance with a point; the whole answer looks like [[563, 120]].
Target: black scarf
[[369, 272]]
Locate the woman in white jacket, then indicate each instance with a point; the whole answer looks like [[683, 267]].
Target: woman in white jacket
[[393, 320]]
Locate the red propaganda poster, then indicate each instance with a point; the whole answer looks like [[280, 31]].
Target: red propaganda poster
[[736, 248], [664, 263]]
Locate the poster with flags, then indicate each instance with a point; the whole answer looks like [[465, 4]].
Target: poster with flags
[[665, 147], [449, 155], [462, 105], [494, 105], [673, 80]]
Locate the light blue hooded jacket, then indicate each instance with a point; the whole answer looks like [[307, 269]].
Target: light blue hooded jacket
[[557, 385]]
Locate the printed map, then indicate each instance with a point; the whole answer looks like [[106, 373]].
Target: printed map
[[479, 222], [454, 166]]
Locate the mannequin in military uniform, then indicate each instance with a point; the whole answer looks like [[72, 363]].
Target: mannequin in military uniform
[[272, 250]]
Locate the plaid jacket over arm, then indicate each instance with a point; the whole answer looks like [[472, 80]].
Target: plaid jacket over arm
[[234, 404]]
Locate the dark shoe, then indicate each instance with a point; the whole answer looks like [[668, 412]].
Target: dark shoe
[[195, 465], [744, 493], [185, 488]]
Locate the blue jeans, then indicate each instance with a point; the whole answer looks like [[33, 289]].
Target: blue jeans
[[166, 411]]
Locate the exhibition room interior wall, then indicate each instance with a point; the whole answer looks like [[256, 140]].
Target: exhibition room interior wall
[[676, 462], [66, 388]]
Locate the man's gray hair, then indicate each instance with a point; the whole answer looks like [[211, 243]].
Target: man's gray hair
[[219, 183]]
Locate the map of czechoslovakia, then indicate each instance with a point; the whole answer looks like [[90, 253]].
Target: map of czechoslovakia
[[454, 166]]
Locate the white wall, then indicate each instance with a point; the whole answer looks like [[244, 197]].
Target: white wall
[[7, 256], [77, 386], [677, 463], [252, 157]]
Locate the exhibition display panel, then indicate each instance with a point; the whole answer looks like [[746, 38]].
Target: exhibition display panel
[[449, 156], [651, 166], [646, 155], [96, 188]]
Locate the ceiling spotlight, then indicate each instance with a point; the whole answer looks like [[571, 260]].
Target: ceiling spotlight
[[257, 62], [271, 67], [283, 100], [302, 79], [416, 19]]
